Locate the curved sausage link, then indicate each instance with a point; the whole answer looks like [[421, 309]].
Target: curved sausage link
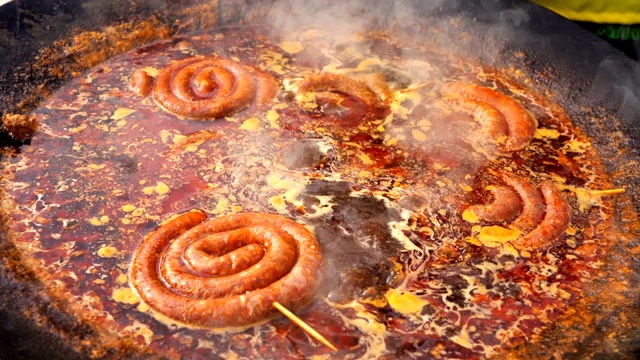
[[192, 83], [520, 122], [173, 268], [504, 207], [327, 82], [493, 123], [532, 205], [267, 87], [141, 83], [555, 221], [211, 88]]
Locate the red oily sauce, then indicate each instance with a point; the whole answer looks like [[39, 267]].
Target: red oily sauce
[[369, 157]]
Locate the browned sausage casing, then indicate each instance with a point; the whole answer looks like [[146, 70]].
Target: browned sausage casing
[[226, 271], [532, 205], [327, 82], [504, 207], [521, 124], [141, 83], [553, 225], [211, 88]]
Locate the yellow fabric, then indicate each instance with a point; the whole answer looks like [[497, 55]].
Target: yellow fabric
[[597, 11]]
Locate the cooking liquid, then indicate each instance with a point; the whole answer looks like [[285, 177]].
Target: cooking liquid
[[383, 190]]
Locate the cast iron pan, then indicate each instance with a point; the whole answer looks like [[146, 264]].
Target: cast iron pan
[[591, 79]]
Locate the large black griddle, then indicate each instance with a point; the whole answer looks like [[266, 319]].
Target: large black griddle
[[586, 75]]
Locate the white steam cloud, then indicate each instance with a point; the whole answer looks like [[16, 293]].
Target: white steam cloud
[[346, 17]]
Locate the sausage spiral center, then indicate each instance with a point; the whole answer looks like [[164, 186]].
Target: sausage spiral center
[[226, 271], [211, 88]]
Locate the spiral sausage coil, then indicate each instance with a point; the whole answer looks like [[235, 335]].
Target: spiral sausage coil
[[227, 271], [207, 88]]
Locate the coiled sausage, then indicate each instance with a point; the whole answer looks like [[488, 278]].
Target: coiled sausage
[[227, 271]]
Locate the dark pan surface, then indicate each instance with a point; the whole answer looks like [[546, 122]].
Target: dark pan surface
[[598, 86]]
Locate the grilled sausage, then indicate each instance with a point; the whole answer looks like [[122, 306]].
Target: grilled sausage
[[504, 207], [141, 83], [175, 269], [211, 88], [521, 124], [493, 123], [327, 82], [555, 221], [532, 205]]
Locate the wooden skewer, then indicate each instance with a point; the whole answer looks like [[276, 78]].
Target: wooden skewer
[[607, 192], [316, 335]]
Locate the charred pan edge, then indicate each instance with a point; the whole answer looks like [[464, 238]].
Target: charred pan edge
[[588, 330], [91, 37], [36, 320]]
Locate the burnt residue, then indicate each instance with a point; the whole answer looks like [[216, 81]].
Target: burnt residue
[[326, 187], [10, 143], [366, 219], [86, 33], [356, 242], [458, 286], [127, 164], [305, 153]]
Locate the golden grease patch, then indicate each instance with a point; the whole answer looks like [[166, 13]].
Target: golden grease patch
[[546, 133], [497, 234], [99, 220], [107, 252], [292, 47], [160, 189], [469, 216], [252, 124], [122, 113], [125, 296], [404, 302]]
